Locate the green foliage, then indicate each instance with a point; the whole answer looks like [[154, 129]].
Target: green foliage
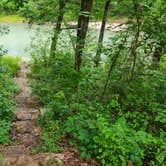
[[48, 144], [82, 126], [117, 143], [4, 131], [142, 108], [8, 68], [12, 18], [160, 156], [58, 82], [11, 65], [107, 115], [52, 134], [52, 93], [7, 93], [11, 5], [126, 125]]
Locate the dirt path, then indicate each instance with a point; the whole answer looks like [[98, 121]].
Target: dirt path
[[26, 134]]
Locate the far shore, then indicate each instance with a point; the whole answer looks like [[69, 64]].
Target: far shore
[[113, 25]]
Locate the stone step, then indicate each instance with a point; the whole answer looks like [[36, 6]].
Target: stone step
[[15, 150], [29, 102], [41, 159], [21, 160], [27, 139], [46, 159], [22, 127], [29, 114]]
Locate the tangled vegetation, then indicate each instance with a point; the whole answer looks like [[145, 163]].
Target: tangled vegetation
[[115, 112], [9, 67], [112, 109]]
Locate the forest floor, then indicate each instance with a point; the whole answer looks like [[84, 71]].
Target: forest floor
[[26, 134]]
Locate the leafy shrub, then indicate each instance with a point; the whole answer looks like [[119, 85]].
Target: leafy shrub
[[144, 110], [98, 133], [81, 125], [160, 154], [7, 93], [4, 131], [121, 128], [56, 78], [118, 144], [123, 124], [52, 134], [8, 68]]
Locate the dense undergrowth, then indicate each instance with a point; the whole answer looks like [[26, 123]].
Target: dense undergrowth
[[124, 124], [9, 67], [114, 111]]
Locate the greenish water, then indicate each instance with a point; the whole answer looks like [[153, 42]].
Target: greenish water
[[18, 40]]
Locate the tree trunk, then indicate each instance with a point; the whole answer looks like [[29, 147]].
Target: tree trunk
[[101, 36], [134, 44], [21, 3], [83, 22], [156, 57], [57, 29]]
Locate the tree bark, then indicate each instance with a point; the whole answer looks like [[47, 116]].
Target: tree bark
[[101, 36], [57, 29], [21, 3], [83, 22], [156, 57], [135, 41]]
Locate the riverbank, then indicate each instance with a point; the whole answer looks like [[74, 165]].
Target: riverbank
[[112, 25]]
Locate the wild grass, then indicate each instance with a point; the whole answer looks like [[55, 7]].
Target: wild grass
[[11, 63], [11, 18]]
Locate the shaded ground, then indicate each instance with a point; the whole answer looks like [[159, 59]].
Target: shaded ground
[[26, 134]]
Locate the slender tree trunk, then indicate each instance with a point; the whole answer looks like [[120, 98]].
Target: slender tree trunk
[[113, 64], [57, 29], [114, 60], [156, 57], [134, 44], [21, 3], [101, 36], [83, 22]]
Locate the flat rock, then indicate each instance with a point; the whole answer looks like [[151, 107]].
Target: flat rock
[[28, 139], [9, 161], [25, 160], [50, 159], [22, 127], [15, 150], [30, 114], [28, 101]]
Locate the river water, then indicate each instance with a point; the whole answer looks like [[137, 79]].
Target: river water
[[18, 40]]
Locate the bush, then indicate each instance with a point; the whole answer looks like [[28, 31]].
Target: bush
[[52, 133], [8, 68], [4, 131], [124, 125], [118, 144], [8, 91], [99, 134]]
